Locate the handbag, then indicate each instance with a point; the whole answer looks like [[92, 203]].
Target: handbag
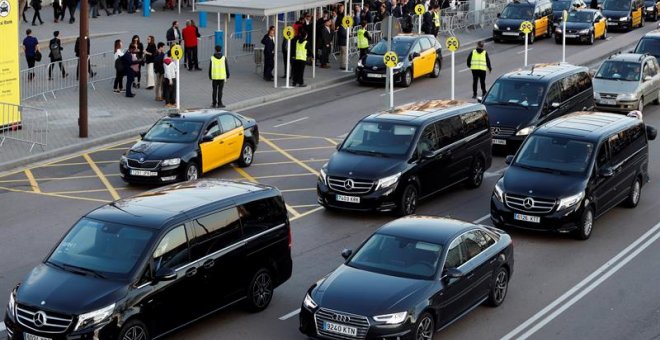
[[37, 56]]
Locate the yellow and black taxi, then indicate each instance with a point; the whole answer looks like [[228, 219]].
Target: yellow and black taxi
[[183, 146], [652, 9], [418, 55], [585, 25], [539, 13], [624, 14], [559, 6]]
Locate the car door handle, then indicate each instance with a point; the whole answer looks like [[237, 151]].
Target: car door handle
[[469, 276], [191, 272], [221, 142], [208, 264]]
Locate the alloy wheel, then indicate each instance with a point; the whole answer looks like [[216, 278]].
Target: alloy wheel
[[478, 174], [501, 286], [135, 333], [262, 290], [192, 173], [588, 223], [425, 329], [635, 194], [247, 154], [410, 201]]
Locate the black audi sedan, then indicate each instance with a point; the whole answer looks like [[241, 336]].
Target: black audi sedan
[[183, 146], [412, 277]]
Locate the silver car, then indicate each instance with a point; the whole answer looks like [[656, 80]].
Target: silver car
[[626, 82]]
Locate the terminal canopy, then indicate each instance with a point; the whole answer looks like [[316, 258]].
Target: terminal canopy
[[261, 7]]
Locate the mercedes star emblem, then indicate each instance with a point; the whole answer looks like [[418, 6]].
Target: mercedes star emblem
[[39, 319], [528, 203], [348, 184], [495, 131]]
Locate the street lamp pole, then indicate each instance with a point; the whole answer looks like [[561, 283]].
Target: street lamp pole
[[83, 69]]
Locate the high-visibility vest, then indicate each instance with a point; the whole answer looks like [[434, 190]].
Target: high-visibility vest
[[218, 69], [436, 19], [362, 41], [301, 50], [478, 61]]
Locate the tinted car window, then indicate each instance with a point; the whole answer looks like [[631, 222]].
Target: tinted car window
[[380, 139], [215, 231], [173, 131], [516, 92], [474, 122], [570, 86], [580, 16], [426, 45], [474, 243], [548, 153], [450, 130], [259, 216], [172, 250], [584, 82], [616, 5], [454, 255], [227, 123], [401, 47], [429, 140], [517, 12], [650, 46], [602, 157], [625, 143], [554, 94]]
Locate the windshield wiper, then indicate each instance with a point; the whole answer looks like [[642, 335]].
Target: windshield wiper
[[509, 104], [367, 152], [84, 270], [542, 169], [177, 129]]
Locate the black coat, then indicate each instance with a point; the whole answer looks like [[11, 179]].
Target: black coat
[[76, 49], [326, 37], [269, 46], [170, 34], [158, 63]]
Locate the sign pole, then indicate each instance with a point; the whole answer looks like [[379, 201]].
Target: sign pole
[[347, 24], [452, 44], [288, 64], [526, 27], [391, 89], [452, 73], [526, 34], [348, 29], [391, 60], [178, 86], [563, 48]]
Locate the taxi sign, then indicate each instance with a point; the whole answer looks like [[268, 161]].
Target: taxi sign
[[526, 27], [420, 9], [347, 22], [390, 58], [564, 15], [288, 32], [452, 44], [177, 52]]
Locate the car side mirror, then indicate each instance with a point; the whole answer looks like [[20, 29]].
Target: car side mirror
[[651, 132], [607, 171], [498, 15], [554, 105], [453, 273], [415, 55], [207, 139], [165, 274], [648, 78], [346, 253], [142, 134], [426, 154], [508, 160]]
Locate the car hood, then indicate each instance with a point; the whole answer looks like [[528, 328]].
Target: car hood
[[361, 292], [575, 25], [608, 13], [346, 164], [510, 116], [524, 182], [614, 86], [157, 150], [372, 60], [509, 24], [66, 292]]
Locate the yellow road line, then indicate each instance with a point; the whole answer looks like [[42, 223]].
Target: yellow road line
[[54, 195], [102, 177], [292, 162], [56, 178], [292, 135], [298, 149], [287, 155], [332, 141], [304, 206], [82, 191], [284, 175], [289, 138], [252, 179], [297, 190], [73, 164], [33, 182], [306, 213]]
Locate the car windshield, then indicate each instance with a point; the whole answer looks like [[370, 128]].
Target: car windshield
[[619, 70], [555, 154], [382, 139], [517, 12], [101, 249], [400, 47], [650, 46], [398, 256], [616, 5], [560, 5], [173, 131], [515, 93], [580, 17]]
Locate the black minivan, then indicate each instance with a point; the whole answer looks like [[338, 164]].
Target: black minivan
[[142, 267], [390, 160], [573, 170], [520, 101]]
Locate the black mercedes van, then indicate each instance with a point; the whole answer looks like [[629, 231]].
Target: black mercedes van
[[142, 267], [519, 101], [391, 159], [571, 171]]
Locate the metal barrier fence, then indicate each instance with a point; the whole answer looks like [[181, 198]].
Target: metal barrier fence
[[23, 124], [242, 44]]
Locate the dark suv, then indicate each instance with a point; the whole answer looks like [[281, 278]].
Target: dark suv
[[156, 262], [573, 170], [389, 160]]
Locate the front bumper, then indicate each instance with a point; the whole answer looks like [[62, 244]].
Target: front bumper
[[381, 200], [619, 25], [16, 331], [619, 106], [508, 35], [366, 75], [309, 326], [563, 221], [579, 37], [158, 175]]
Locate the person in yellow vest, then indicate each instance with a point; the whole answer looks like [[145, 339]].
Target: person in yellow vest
[[479, 62], [363, 38], [436, 20], [299, 45], [218, 73]]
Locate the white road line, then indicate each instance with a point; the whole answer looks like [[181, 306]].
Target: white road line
[[464, 70], [481, 219], [2, 327], [291, 122], [290, 315], [523, 51], [395, 91], [343, 135], [608, 269]]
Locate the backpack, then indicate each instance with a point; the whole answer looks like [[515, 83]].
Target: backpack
[[119, 65], [55, 51]]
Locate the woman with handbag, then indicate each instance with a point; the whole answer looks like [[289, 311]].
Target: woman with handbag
[[36, 5], [150, 54]]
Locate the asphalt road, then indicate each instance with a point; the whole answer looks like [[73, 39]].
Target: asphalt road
[[603, 288]]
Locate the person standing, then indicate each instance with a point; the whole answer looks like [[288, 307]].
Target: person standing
[[287, 63], [55, 55], [218, 73], [71, 5], [341, 42], [173, 35], [94, 8], [159, 70], [300, 59], [436, 20], [149, 55], [363, 38], [130, 62], [479, 62], [190, 34], [269, 53], [58, 11], [36, 5], [169, 82], [118, 86], [139, 53], [326, 43], [22, 7], [76, 49], [30, 49]]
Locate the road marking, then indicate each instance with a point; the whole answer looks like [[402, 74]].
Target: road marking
[[464, 70], [290, 315], [608, 269], [33, 182], [55, 195], [285, 175], [395, 91], [299, 149], [305, 206], [83, 191], [481, 219], [2, 327], [307, 213], [57, 178], [291, 162], [102, 177], [287, 155], [523, 51], [297, 190], [332, 141], [291, 122], [73, 164], [342, 136], [254, 180]]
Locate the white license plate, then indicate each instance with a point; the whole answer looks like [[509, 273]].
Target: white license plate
[[28, 336], [348, 199], [572, 36], [612, 23], [375, 75], [339, 329], [143, 173], [608, 101], [510, 33], [499, 141], [527, 218]]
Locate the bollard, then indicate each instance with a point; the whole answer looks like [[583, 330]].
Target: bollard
[[146, 8], [219, 39], [202, 17]]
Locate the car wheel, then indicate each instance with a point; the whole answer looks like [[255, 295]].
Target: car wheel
[[532, 36], [436, 69], [247, 155], [425, 327], [260, 291], [592, 38], [499, 287], [635, 194], [407, 78], [640, 105], [134, 330], [583, 231], [549, 34], [477, 174], [604, 37], [408, 203], [192, 171], [497, 40], [641, 21], [655, 15]]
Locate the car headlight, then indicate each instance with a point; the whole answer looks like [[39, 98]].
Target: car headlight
[[360, 64], [171, 162], [651, 9], [526, 131], [558, 30], [323, 178], [570, 201], [388, 181], [11, 307], [309, 302], [584, 31], [498, 192], [392, 319], [496, 27], [624, 19], [95, 317], [627, 96]]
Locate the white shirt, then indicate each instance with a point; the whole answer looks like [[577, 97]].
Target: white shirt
[[118, 53], [170, 71]]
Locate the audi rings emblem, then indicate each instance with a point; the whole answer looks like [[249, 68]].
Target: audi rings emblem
[[528, 203], [348, 184], [495, 131], [39, 319], [342, 318]]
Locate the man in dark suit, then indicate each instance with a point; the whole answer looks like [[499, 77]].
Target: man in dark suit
[[173, 34], [326, 44], [269, 53], [76, 50]]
